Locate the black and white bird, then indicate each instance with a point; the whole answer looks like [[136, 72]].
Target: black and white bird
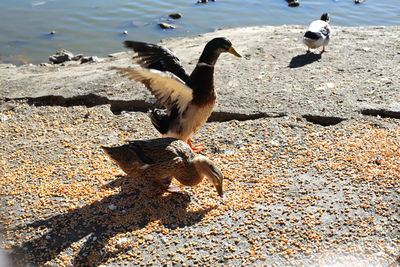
[[318, 34]]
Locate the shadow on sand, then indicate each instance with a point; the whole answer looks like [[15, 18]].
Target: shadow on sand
[[93, 225], [302, 60]]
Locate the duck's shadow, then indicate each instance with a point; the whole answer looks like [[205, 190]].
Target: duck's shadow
[[302, 60], [93, 225]]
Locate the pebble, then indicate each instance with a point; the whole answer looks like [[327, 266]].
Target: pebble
[[3, 117], [175, 15], [293, 3], [330, 85], [91, 59], [77, 57], [122, 241], [148, 238], [61, 56], [164, 25], [204, 1]]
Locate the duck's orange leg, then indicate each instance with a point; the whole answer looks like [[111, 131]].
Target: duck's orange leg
[[196, 148], [323, 50], [166, 185]]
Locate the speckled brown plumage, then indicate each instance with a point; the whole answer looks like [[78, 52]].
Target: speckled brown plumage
[[163, 158]]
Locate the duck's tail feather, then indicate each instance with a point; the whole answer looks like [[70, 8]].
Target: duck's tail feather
[[115, 153]]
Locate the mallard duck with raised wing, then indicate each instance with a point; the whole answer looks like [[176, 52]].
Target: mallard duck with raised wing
[[163, 158], [318, 34], [190, 99]]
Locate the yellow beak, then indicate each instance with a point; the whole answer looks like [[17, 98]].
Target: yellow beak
[[233, 51]]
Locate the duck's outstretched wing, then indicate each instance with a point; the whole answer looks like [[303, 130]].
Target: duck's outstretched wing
[[153, 56], [169, 92]]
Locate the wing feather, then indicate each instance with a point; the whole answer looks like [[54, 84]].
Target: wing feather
[[153, 56], [135, 147], [169, 92]]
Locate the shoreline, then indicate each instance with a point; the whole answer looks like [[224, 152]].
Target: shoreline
[[24, 61]]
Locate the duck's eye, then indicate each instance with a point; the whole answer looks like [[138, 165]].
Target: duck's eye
[[215, 171]]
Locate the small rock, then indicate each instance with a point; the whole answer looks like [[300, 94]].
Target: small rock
[[96, 59], [3, 117], [52, 32], [164, 25], [61, 56], [148, 238], [45, 64], [77, 57], [85, 59], [92, 59], [274, 143], [122, 241], [202, 1], [293, 3], [358, 1], [330, 85], [175, 15], [112, 207], [125, 32]]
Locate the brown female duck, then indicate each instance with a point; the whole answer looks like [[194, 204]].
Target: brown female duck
[[163, 158], [189, 99]]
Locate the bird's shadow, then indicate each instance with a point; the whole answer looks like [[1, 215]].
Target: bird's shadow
[[95, 224], [302, 60]]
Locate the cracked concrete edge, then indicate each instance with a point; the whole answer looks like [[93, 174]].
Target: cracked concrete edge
[[118, 106]]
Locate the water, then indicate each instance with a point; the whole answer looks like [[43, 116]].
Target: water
[[96, 27]]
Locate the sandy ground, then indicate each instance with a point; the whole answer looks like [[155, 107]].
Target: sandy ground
[[309, 146]]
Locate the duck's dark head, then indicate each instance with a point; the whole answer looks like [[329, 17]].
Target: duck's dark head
[[214, 48], [325, 17]]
